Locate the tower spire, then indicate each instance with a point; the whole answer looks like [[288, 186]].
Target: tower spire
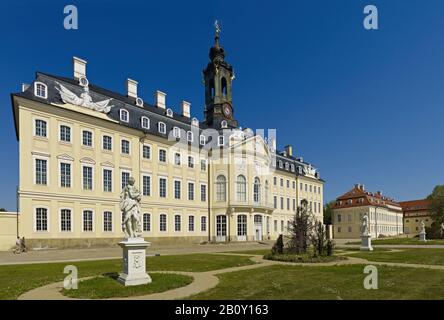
[[217, 32]]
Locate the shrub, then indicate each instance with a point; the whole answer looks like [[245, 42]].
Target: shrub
[[278, 247]]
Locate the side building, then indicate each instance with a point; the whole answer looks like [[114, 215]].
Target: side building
[[201, 180], [415, 211], [385, 214]]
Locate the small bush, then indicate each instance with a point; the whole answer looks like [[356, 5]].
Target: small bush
[[278, 247], [302, 258]]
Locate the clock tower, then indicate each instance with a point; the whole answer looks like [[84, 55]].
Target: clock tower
[[218, 77]]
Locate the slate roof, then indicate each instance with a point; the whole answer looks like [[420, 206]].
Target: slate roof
[[154, 113]]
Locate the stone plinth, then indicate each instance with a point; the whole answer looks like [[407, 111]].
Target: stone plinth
[[366, 242], [134, 257], [422, 236]]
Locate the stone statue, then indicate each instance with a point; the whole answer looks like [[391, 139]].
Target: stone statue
[[365, 227], [130, 207], [422, 226]]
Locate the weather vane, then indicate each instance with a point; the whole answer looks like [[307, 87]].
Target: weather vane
[[217, 27]]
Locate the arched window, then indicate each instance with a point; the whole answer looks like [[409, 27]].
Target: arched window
[[176, 132], [241, 189], [169, 113], [162, 127], [124, 115], [212, 91], [40, 90], [221, 188], [145, 122], [190, 136], [223, 83], [256, 190]]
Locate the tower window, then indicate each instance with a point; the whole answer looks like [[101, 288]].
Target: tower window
[[212, 91], [224, 87]]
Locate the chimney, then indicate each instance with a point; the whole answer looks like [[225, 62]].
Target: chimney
[[362, 187], [186, 109], [357, 186], [159, 97], [131, 88], [289, 150], [25, 87], [79, 67]]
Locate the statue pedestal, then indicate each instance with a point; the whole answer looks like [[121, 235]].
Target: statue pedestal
[[134, 266], [366, 242], [422, 236]]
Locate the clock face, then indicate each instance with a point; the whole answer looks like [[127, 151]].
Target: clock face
[[226, 109]]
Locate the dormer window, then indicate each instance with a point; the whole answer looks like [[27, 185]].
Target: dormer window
[[40, 90], [292, 167], [220, 141], [202, 140], [124, 115], [139, 102], [169, 113], [189, 136], [287, 166], [281, 165], [162, 127], [195, 122], [223, 124], [145, 122], [176, 132]]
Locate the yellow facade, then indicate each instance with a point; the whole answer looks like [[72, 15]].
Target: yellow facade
[[264, 218]]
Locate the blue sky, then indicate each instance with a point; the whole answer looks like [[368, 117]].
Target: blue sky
[[362, 106]]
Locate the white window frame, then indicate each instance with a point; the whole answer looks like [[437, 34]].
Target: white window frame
[[158, 155], [169, 112], [93, 220], [148, 122], [194, 223], [92, 138], [188, 190], [220, 141], [121, 113], [129, 147], [141, 152], [60, 133], [103, 140], [103, 221], [92, 176], [150, 221], [180, 222], [166, 186], [192, 161], [112, 178], [34, 127], [206, 192], [202, 140], [71, 218], [150, 184], [37, 83], [190, 136], [176, 132], [41, 157], [48, 219], [174, 189], [122, 171], [70, 162], [166, 221], [160, 125]]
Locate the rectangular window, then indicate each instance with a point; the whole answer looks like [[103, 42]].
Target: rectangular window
[[146, 152], [87, 138], [162, 187], [146, 185], [177, 191], [162, 155], [177, 159], [275, 205], [65, 220], [146, 222], [177, 223], [274, 181], [191, 223], [282, 182], [40, 128], [339, 218], [190, 162], [288, 183], [41, 219], [288, 204], [301, 186], [282, 203], [203, 224], [107, 180], [65, 175], [125, 179], [294, 204], [87, 178], [65, 133], [163, 222], [125, 147], [107, 221], [203, 165], [190, 191], [282, 225], [41, 171], [294, 185], [87, 220], [275, 226], [203, 193], [107, 143]]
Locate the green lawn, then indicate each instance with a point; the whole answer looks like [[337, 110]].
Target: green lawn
[[419, 256], [407, 241], [17, 279], [335, 282], [108, 287]]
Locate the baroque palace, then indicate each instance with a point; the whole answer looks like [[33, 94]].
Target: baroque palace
[[200, 181]]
